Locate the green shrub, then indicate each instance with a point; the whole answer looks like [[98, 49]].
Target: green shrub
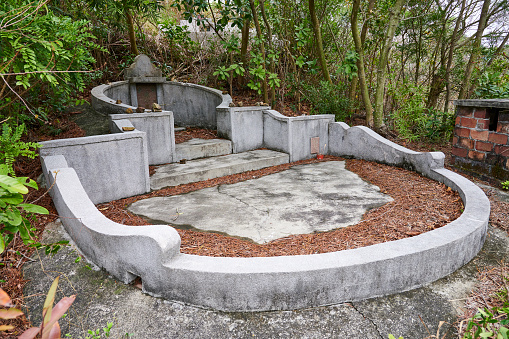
[[413, 121], [328, 98]]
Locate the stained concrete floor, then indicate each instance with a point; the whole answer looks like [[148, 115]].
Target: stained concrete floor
[[304, 199]]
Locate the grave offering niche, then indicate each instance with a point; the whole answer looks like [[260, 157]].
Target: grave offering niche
[[480, 144], [145, 83]]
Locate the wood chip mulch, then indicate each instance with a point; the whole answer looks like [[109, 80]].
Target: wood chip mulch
[[194, 132], [420, 205]]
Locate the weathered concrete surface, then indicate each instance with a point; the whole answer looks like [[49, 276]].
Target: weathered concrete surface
[[209, 168], [101, 299], [202, 148], [100, 162], [304, 199]]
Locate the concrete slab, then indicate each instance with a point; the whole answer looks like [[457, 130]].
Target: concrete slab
[[202, 148], [209, 168], [101, 299], [304, 199]]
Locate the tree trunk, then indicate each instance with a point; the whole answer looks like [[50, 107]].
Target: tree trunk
[[362, 74], [319, 45], [262, 47], [475, 50], [243, 48], [450, 58], [394, 20], [272, 64], [245, 41], [355, 80], [130, 28]]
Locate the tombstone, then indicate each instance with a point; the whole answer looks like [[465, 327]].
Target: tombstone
[[145, 82]]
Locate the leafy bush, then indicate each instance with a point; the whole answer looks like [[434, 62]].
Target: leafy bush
[[40, 50], [11, 147], [413, 121], [328, 98], [492, 85]]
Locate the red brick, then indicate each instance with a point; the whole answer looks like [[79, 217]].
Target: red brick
[[459, 152], [481, 113], [462, 132], [468, 122], [483, 123], [502, 127], [458, 120], [455, 140], [465, 111], [498, 138], [479, 135], [468, 143], [474, 155], [483, 146], [507, 164], [502, 150]]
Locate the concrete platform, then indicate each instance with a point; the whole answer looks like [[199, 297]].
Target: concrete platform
[[209, 168], [202, 148], [302, 200]]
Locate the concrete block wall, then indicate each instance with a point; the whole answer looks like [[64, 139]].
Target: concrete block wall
[[242, 125], [481, 136], [110, 167], [293, 135], [159, 130]]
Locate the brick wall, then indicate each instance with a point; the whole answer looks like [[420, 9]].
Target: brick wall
[[480, 144]]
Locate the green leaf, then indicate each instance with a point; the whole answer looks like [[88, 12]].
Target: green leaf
[[12, 184], [34, 208], [2, 244]]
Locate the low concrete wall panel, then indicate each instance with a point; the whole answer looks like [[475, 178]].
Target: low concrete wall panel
[[110, 167], [159, 133]]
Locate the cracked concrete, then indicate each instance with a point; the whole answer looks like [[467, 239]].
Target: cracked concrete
[[102, 299], [304, 199]]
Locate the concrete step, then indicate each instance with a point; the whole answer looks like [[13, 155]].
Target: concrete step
[[209, 168], [202, 148]]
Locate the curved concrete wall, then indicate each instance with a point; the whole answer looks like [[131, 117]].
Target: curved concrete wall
[[275, 283], [192, 105]]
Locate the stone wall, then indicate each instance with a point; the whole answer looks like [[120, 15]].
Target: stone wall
[[480, 144]]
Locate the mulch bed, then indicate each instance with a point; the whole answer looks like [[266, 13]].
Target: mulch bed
[[419, 205], [194, 132]]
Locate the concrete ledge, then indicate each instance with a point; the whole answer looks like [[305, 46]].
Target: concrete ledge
[[125, 252], [495, 103], [363, 143], [160, 135], [104, 98], [110, 167]]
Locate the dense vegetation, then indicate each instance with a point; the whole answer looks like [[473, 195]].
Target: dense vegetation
[[397, 64]]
